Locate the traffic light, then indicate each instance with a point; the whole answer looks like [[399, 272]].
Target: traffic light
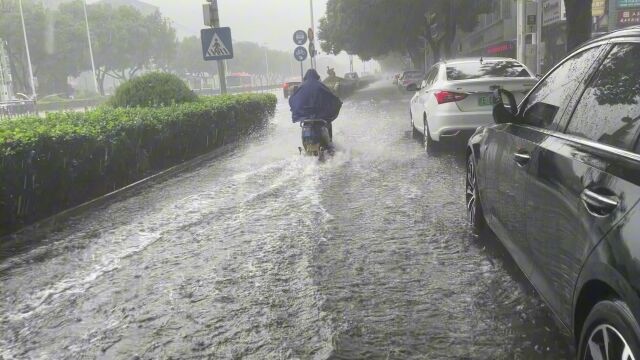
[[210, 13]]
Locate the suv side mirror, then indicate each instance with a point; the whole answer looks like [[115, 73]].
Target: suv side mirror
[[413, 87], [501, 113]]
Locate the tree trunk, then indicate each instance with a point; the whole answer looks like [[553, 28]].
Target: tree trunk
[[434, 45], [579, 20], [450, 30], [101, 76], [417, 58]]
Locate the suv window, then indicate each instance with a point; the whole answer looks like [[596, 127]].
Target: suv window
[[609, 111], [543, 105]]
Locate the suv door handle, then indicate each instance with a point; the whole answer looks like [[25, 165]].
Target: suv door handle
[[597, 204], [521, 158]]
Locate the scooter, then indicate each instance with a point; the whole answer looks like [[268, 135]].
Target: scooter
[[315, 138]]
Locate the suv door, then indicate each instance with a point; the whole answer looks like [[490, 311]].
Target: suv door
[[507, 155], [584, 182]]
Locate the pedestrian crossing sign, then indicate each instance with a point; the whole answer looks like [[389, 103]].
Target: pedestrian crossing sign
[[216, 43]]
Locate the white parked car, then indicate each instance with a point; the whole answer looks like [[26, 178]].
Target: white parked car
[[456, 96]]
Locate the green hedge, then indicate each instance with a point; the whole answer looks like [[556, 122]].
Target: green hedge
[[151, 90], [54, 163]]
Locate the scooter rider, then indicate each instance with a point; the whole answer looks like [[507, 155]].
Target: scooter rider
[[314, 100]]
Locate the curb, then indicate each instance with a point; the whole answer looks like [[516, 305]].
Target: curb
[[35, 230]]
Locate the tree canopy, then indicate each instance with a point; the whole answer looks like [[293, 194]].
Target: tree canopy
[[374, 28], [124, 41]]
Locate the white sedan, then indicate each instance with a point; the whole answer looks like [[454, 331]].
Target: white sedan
[[455, 96]]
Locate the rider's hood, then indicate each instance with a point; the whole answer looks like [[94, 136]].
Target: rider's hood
[[311, 74]]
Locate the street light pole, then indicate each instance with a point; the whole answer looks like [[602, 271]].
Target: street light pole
[[26, 45], [93, 65]]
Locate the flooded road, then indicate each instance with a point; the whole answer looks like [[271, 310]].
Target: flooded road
[[263, 254]]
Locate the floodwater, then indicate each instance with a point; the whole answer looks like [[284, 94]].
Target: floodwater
[[260, 253]]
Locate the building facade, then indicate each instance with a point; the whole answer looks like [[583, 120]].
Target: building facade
[[496, 33]]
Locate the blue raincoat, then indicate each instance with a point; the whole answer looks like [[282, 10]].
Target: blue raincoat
[[314, 100]]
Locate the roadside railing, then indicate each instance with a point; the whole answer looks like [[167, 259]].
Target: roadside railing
[[238, 89], [13, 108]]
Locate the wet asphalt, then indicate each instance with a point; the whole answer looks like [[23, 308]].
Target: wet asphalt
[[261, 253]]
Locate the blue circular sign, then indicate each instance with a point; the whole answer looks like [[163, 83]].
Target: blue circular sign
[[300, 53], [300, 37]]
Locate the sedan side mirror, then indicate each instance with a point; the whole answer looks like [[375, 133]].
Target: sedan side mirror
[[504, 114], [413, 87]]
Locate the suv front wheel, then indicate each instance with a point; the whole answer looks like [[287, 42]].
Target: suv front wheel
[[610, 332]]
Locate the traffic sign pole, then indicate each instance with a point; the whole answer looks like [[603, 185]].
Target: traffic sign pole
[[300, 53], [215, 22]]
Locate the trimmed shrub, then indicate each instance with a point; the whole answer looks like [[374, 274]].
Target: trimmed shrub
[[152, 90], [51, 164]]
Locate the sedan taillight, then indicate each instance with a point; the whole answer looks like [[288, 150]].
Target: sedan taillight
[[444, 97]]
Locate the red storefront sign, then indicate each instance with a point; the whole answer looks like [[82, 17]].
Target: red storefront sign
[[500, 48], [628, 17]]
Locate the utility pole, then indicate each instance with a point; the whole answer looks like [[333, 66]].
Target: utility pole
[[539, 37], [520, 29], [26, 45], [93, 64]]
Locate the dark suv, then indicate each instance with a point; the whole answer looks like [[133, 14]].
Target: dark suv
[[557, 178]]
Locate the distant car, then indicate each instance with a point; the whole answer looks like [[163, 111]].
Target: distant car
[[455, 97], [289, 86], [409, 78], [557, 179], [351, 76]]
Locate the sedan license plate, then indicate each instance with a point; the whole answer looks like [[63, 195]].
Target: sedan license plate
[[486, 101]]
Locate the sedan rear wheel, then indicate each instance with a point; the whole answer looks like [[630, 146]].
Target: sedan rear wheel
[[474, 209], [414, 131], [610, 332], [429, 144]]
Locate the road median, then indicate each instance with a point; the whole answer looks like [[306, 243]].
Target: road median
[[54, 163]]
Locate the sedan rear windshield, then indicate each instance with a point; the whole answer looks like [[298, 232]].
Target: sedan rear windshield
[[487, 69]]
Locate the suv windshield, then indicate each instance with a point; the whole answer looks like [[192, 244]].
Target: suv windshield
[[487, 69]]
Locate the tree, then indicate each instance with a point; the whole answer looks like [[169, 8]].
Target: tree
[[11, 32], [125, 41], [374, 28], [66, 48], [579, 19]]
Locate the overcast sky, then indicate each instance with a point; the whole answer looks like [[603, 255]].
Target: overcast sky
[[266, 22], [270, 22]]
